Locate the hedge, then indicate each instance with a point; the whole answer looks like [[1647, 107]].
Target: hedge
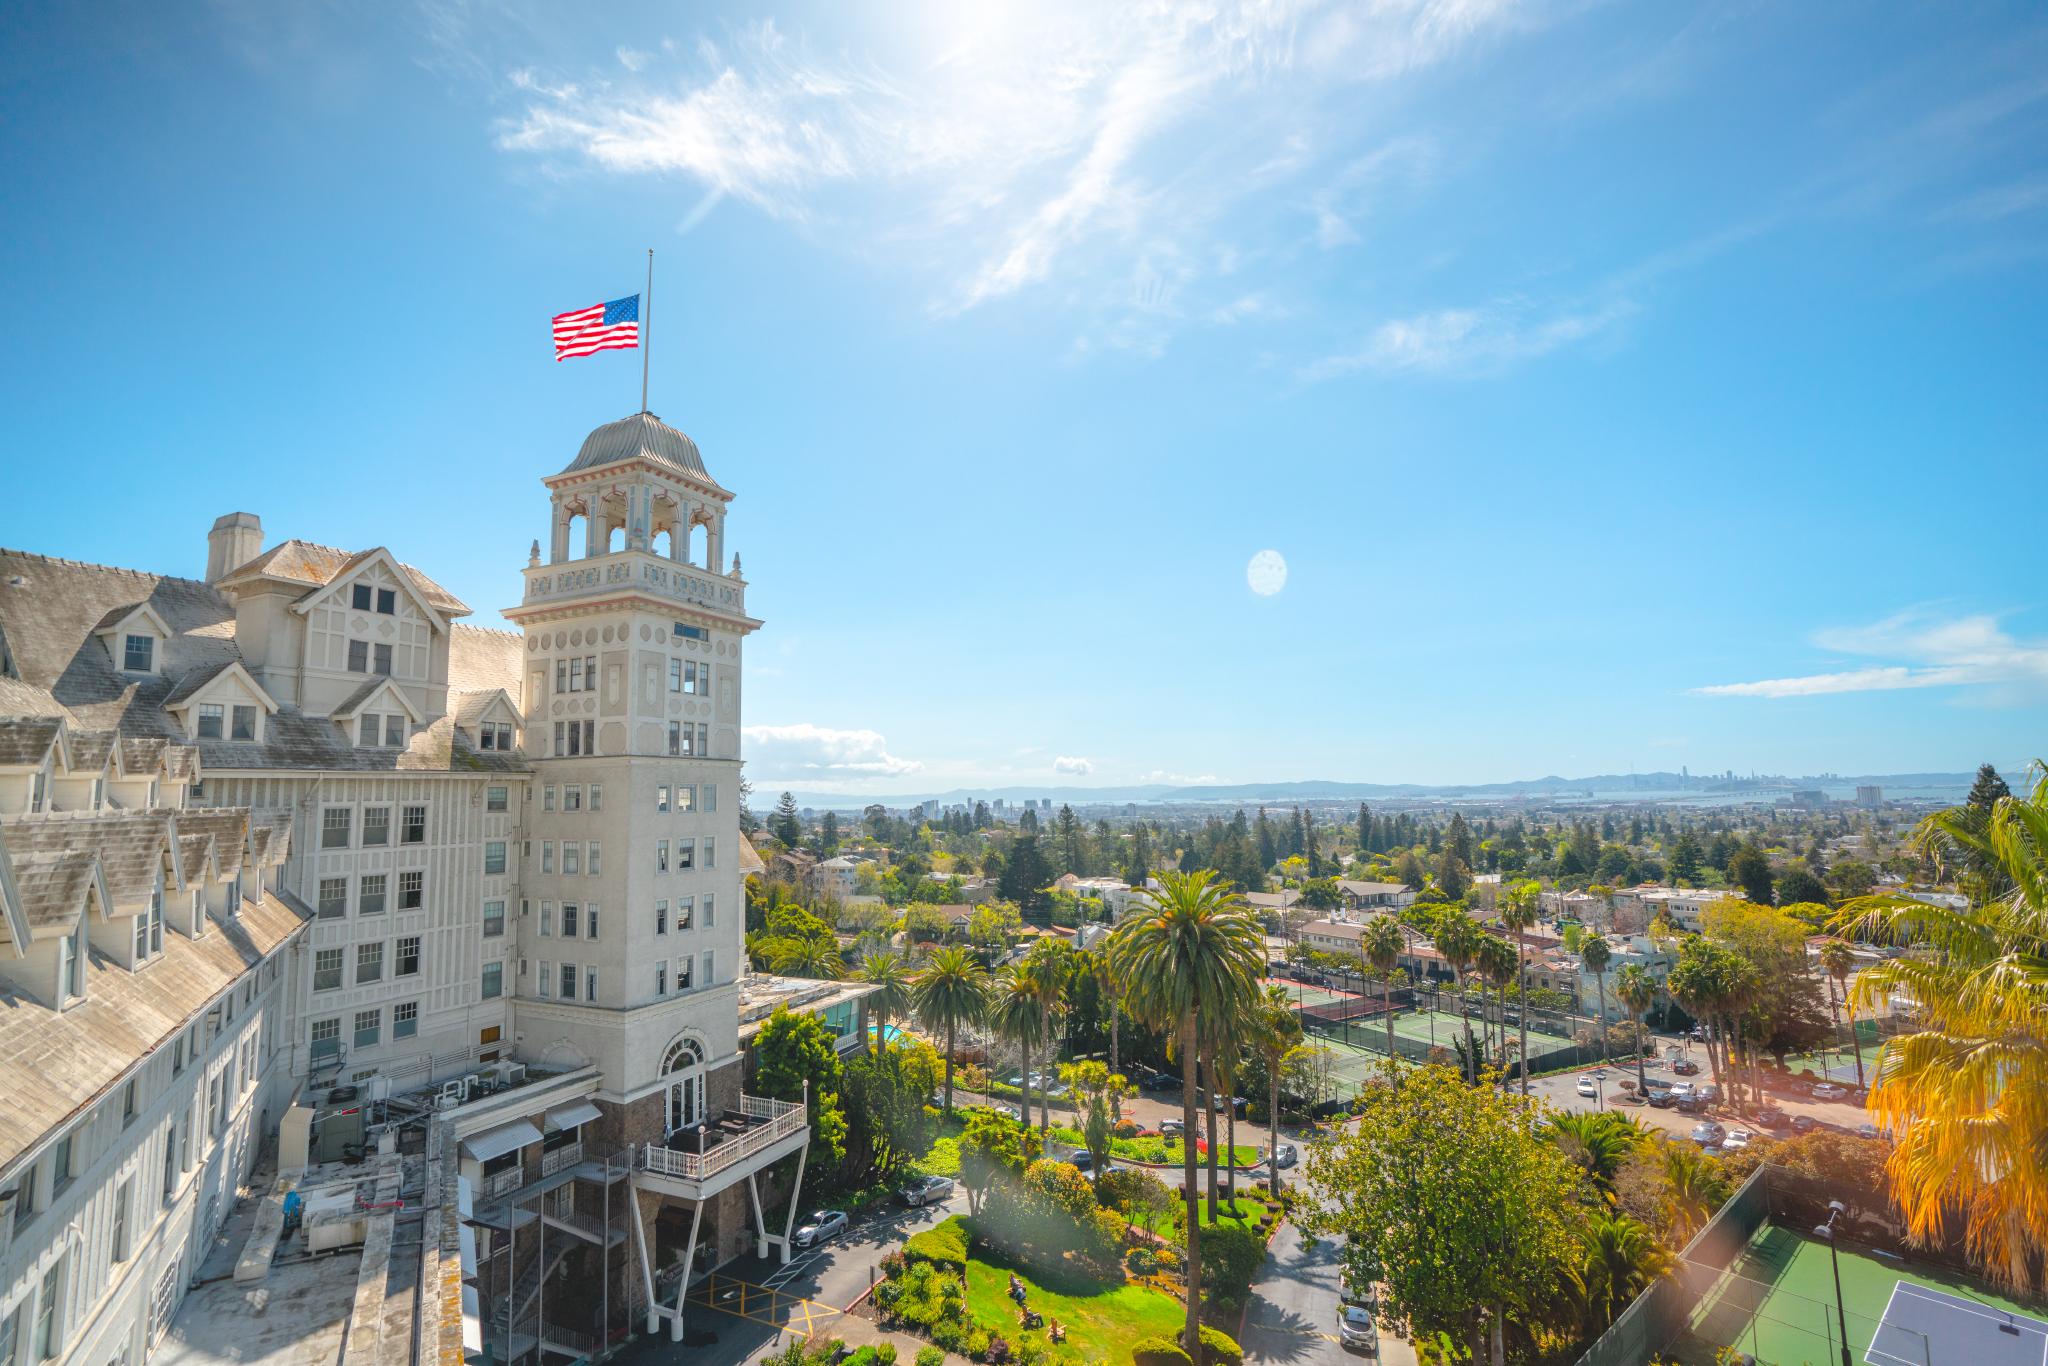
[[1231, 1257], [1219, 1349], [943, 1244], [1159, 1352]]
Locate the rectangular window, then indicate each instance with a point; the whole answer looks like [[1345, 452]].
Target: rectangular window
[[128, 1099], [394, 732], [572, 919], [408, 964], [327, 969], [710, 851], [675, 737], [686, 799], [590, 921], [414, 831], [359, 656], [369, 963], [326, 1037], [369, 731], [661, 801], [686, 854], [686, 912], [568, 981], [590, 984], [547, 918], [572, 797], [119, 1242], [333, 898], [572, 857], [697, 679], [597, 796], [376, 826], [494, 980], [382, 657], [49, 1320], [245, 724], [547, 856], [369, 1028], [138, 653], [675, 675], [387, 601], [61, 1172], [370, 893], [337, 823], [661, 856], [683, 972], [710, 915], [710, 796], [547, 979], [576, 675], [547, 798], [405, 1020], [494, 858], [661, 917], [359, 597], [590, 864], [710, 969], [661, 979], [494, 919], [561, 675], [212, 717], [497, 798], [412, 890]]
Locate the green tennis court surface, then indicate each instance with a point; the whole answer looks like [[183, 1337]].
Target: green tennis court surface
[[1777, 1303]]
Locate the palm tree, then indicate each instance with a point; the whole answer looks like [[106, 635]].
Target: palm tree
[[951, 991], [816, 956], [1637, 990], [1498, 963], [1276, 1032], [1381, 944], [1966, 1096], [1017, 1011], [1693, 1189], [1599, 1143], [1596, 955], [1193, 953], [1836, 959], [889, 975], [1457, 939], [1519, 908], [1619, 1257]]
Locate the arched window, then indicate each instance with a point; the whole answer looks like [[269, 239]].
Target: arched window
[[663, 543], [697, 548], [683, 1068]]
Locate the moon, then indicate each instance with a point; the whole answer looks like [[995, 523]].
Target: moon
[[1267, 573]]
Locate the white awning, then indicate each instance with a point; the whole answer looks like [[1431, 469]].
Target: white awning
[[501, 1140], [573, 1114]]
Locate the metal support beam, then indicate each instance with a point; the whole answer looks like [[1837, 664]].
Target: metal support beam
[[675, 1323], [796, 1192], [646, 1262], [760, 1224]]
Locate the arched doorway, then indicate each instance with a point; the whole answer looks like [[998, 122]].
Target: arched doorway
[[683, 1072]]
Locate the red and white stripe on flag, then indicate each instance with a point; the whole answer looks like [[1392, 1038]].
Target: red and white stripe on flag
[[613, 326]]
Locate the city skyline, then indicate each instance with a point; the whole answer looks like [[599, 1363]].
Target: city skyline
[[1611, 389]]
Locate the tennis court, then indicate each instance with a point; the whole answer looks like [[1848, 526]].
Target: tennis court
[[1777, 1303]]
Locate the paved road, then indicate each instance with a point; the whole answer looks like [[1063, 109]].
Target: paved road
[[1292, 1320]]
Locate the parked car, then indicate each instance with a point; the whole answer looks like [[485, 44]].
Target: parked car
[[1804, 1124], [926, 1190], [1083, 1160], [1683, 1091], [1737, 1140], [1686, 1067], [1662, 1099], [1285, 1156], [1357, 1331], [1770, 1117], [1171, 1128], [1827, 1090], [1159, 1081], [1587, 1087], [820, 1226], [1866, 1130], [1708, 1134]]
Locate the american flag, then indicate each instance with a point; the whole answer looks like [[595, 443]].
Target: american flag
[[613, 326]]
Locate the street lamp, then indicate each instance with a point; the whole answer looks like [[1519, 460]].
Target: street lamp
[[1836, 1209]]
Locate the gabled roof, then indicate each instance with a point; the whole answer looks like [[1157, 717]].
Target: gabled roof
[[54, 889], [117, 617], [468, 708], [131, 845], [94, 749], [25, 741], [297, 561], [367, 693], [181, 696]]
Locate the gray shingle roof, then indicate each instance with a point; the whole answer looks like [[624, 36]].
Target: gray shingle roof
[[130, 845], [319, 565], [25, 740], [642, 435], [53, 887]]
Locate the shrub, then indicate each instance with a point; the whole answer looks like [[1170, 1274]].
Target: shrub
[[930, 1356], [1141, 1261], [1159, 1352], [1125, 1128], [977, 1344], [943, 1244], [1230, 1259], [998, 1349], [950, 1334], [885, 1354], [893, 1265], [1218, 1348], [865, 1356]]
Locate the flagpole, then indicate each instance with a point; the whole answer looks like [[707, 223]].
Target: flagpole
[[647, 330]]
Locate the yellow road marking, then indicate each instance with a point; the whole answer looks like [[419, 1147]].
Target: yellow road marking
[[763, 1304]]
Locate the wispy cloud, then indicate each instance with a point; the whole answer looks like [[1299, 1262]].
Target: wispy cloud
[[1933, 652], [1470, 341], [804, 751]]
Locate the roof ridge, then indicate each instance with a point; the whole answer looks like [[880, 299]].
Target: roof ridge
[[490, 630], [109, 568]]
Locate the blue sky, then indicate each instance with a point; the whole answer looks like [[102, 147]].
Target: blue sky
[[1623, 386]]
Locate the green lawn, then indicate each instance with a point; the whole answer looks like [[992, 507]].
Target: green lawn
[[1101, 1324], [1160, 1150], [1242, 1212]]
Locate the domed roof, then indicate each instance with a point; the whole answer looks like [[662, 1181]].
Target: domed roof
[[642, 434]]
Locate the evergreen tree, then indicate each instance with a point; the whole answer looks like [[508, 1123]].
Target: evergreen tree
[[1026, 877], [1750, 872], [828, 833], [1268, 847], [1072, 841], [1364, 829], [1989, 787], [1458, 840], [1685, 860], [784, 823]]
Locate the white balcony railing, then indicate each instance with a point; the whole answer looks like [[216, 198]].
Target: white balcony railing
[[782, 1119], [504, 1182], [559, 1159]]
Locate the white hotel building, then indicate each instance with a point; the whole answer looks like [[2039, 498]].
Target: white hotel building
[[301, 875]]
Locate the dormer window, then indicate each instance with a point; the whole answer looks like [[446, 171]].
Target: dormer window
[[375, 731], [494, 735], [244, 724], [149, 929], [386, 599], [212, 720], [138, 654]]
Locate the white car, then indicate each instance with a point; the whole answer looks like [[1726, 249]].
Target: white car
[[820, 1226], [1737, 1140], [1587, 1087], [1357, 1331], [1827, 1090]]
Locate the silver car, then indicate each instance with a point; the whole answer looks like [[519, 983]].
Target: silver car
[[1357, 1331], [820, 1225], [927, 1190]]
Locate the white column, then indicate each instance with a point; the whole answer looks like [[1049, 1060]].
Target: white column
[[714, 545]]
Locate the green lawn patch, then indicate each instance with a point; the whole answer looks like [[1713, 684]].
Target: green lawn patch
[[1243, 1212], [1101, 1323]]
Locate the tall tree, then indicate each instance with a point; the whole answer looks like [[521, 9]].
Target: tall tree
[[889, 975], [1017, 1012], [950, 992], [1637, 990], [1194, 947], [1381, 944], [784, 823], [1596, 955], [1750, 871], [1520, 906], [1027, 877], [1837, 959], [1276, 1032], [1457, 939]]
